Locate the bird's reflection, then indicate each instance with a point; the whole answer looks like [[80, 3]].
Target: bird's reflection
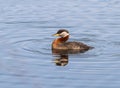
[[62, 56], [61, 60]]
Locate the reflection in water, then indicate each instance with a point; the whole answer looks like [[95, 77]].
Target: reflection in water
[[62, 56], [61, 60]]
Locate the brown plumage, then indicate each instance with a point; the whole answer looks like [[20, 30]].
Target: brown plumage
[[61, 44]]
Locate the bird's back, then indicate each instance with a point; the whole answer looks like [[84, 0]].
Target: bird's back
[[76, 45]]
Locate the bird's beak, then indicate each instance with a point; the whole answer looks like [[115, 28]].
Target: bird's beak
[[56, 35]]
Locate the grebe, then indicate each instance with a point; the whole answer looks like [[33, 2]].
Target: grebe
[[61, 44]]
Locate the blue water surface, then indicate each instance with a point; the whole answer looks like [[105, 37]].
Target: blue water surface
[[26, 59]]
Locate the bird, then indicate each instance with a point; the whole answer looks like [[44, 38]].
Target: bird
[[62, 44]]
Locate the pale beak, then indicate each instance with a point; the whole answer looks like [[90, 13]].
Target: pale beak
[[56, 35]]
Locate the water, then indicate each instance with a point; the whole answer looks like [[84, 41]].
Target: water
[[26, 59]]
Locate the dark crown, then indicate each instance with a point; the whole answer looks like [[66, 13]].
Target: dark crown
[[62, 30]]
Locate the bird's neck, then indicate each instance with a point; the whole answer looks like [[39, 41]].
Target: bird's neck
[[63, 39], [58, 41]]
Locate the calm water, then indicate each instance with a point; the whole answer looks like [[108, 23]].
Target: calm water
[[26, 59]]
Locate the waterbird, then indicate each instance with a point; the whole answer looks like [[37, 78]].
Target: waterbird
[[61, 43]]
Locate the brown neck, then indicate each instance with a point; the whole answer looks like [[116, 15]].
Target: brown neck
[[63, 39], [59, 41]]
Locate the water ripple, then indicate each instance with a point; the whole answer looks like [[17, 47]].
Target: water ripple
[[25, 47]]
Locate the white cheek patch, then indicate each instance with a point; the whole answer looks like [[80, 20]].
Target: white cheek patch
[[64, 34]]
